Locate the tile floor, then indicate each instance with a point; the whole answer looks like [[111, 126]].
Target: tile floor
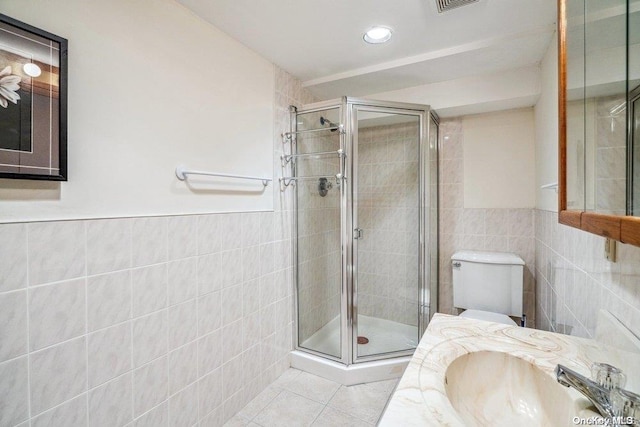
[[298, 398]]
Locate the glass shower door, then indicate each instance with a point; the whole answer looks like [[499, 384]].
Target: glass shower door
[[387, 220]]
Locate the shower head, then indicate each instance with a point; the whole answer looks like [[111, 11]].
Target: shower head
[[324, 121]]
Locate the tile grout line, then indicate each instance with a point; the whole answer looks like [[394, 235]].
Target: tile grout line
[[86, 317], [28, 305]]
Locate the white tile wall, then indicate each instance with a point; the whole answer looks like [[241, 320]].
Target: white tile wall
[[500, 230], [575, 280], [146, 321]]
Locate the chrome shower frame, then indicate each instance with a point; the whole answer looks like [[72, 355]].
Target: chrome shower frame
[[349, 222]]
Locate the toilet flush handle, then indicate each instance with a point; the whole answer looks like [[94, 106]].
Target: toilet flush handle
[[456, 264]]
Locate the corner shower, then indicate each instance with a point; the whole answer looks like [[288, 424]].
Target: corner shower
[[365, 234]]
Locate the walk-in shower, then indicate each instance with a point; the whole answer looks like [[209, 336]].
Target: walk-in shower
[[365, 234]]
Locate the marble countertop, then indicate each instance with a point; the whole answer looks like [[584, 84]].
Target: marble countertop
[[420, 398]]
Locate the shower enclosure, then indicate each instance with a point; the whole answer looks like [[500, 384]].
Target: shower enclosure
[[365, 230]]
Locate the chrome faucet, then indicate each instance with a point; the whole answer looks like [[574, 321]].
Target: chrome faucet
[[598, 395]]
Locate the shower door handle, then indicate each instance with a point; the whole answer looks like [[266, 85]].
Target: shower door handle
[[358, 233]]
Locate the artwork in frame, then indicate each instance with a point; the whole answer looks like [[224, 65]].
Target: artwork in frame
[[33, 102]]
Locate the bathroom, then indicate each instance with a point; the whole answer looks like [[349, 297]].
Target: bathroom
[[309, 280]]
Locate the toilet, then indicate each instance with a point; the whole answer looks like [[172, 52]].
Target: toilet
[[488, 285]]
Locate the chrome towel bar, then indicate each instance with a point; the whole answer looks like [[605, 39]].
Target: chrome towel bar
[[182, 172]]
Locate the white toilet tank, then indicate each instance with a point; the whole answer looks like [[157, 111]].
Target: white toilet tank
[[488, 281]]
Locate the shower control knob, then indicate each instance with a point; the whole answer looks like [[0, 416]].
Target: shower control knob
[[358, 233]]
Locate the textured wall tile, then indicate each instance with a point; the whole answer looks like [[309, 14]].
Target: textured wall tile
[[57, 313], [209, 313], [250, 296], [149, 236], [157, 417], [111, 403], [232, 377], [13, 324], [231, 300], [209, 354], [58, 374], [183, 367], [231, 340], [250, 262], [183, 407], [70, 414], [209, 273], [231, 267], [251, 229], [149, 337], [183, 323], [210, 391], [208, 234], [14, 394], [230, 231], [109, 353], [182, 236], [13, 253], [108, 299], [108, 245], [182, 280], [149, 289], [150, 384], [56, 251]]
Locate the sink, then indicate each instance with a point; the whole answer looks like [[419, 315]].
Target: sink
[[496, 388]]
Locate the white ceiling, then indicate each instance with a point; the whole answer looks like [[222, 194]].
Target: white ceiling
[[320, 42]]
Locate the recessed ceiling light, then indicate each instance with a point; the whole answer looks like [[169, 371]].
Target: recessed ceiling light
[[377, 35], [31, 69]]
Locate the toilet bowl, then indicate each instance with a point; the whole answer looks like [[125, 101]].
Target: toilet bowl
[[488, 316]]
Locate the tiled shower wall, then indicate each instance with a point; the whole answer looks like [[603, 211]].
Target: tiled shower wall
[[146, 321], [575, 281], [388, 197], [611, 155], [501, 230]]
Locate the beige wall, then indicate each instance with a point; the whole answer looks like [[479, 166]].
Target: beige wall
[[499, 165], [546, 130], [150, 86], [466, 228]]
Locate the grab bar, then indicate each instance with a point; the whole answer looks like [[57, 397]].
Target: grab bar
[[284, 179], [288, 135], [287, 157], [182, 173]]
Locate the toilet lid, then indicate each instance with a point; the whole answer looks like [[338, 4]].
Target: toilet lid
[[488, 316]]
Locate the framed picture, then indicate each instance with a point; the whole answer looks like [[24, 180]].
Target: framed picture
[[33, 102]]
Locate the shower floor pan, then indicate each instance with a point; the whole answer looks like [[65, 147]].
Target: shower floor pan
[[384, 336]]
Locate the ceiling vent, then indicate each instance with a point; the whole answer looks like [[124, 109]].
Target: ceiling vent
[[445, 5]]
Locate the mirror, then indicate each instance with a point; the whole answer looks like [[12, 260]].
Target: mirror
[[599, 73]]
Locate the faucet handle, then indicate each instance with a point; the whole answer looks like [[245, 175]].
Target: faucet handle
[[608, 376], [626, 404]]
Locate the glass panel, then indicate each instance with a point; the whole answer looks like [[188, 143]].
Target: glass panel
[[431, 295], [605, 105], [388, 196], [318, 234], [576, 151]]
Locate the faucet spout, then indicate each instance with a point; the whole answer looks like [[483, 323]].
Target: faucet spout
[[598, 395]]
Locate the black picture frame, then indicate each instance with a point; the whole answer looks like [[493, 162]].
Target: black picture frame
[[24, 147]]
